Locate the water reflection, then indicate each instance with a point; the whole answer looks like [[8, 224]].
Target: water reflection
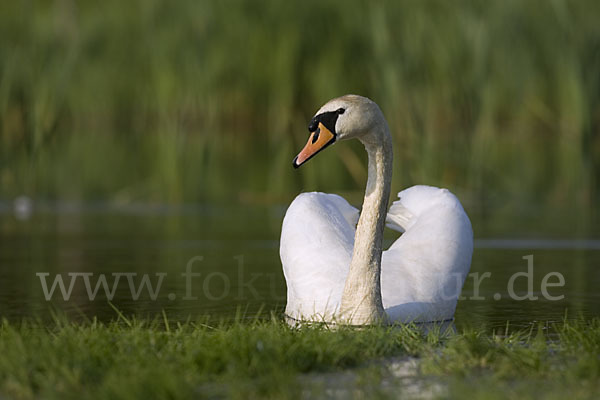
[[224, 261]]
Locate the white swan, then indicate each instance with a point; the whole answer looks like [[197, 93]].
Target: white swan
[[337, 271]]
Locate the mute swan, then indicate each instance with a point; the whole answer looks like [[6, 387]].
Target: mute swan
[[337, 271]]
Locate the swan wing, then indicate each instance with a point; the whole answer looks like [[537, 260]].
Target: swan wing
[[399, 218], [317, 238], [423, 271]]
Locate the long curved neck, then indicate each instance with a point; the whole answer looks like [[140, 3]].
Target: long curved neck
[[361, 299]]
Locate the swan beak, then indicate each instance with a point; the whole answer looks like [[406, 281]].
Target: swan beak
[[318, 140]]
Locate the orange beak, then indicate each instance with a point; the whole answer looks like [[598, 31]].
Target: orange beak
[[318, 140]]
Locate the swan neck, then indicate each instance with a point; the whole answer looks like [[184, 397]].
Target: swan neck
[[361, 299]]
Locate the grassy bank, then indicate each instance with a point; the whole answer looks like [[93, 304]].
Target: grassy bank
[[174, 101], [266, 358]]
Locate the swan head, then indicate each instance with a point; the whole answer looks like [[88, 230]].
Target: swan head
[[347, 117]]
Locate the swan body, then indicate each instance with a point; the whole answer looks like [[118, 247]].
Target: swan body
[[332, 255]]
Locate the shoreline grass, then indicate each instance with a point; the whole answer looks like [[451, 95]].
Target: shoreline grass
[[268, 359]]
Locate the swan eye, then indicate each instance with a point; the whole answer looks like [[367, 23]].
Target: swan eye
[[316, 135], [340, 111]]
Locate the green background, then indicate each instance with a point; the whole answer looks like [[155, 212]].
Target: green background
[[208, 101]]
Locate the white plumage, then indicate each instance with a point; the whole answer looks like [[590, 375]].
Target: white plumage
[[422, 272], [332, 257]]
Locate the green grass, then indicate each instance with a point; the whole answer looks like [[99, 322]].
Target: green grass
[[266, 358], [172, 101]]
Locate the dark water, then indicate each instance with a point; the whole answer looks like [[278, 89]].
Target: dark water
[[235, 251]]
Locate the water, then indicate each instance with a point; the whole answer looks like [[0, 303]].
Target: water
[[235, 251]]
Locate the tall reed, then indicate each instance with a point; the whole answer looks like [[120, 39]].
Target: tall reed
[[208, 100]]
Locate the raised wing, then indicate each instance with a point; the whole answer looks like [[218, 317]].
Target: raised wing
[[317, 238]]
